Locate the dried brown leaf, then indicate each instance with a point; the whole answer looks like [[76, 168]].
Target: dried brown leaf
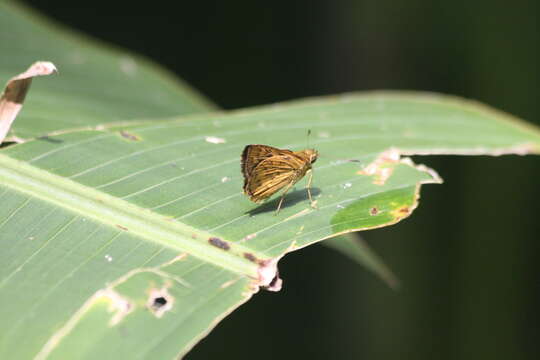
[[12, 98]]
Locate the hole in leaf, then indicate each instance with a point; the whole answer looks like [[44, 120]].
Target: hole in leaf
[[159, 302]]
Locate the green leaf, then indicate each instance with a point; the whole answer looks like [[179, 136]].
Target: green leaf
[[49, 43], [130, 77], [94, 87], [93, 220], [136, 239]]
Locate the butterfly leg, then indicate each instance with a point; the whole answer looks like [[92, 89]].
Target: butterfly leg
[[313, 203], [283, 196]]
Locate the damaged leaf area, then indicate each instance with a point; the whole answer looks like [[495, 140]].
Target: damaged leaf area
[[12, 98], [169, 303], [76, 287], [158, 238]]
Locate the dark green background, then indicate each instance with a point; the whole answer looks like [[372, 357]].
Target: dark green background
[[468, 256]]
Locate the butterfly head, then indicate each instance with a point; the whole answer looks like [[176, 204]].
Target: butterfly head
[[312, 155]]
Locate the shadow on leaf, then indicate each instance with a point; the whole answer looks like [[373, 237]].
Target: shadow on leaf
[[291, 199], [50, 139]]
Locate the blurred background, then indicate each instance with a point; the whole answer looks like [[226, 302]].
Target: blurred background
[[468, 256]]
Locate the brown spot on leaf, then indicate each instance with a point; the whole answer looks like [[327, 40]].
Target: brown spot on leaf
[[217, 242], [264, 262], [404, 210], [129, 136], [374, 211], [250, 257], [122, 227], [401, 212]]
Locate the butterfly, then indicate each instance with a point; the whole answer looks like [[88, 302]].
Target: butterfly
[[267, 170]]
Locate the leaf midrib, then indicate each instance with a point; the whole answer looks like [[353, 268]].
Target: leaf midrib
[[104, 208]]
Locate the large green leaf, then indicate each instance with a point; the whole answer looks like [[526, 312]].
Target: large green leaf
[[94, 223], [115, 85], [133, 241]]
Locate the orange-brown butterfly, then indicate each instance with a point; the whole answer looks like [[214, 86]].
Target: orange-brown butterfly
[[267, 170]]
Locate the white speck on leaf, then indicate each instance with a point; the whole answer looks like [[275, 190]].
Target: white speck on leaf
[[225, 179], [346, 185], [228, 283], [214, 140], [249, 237], [339, 206], [108, 258]]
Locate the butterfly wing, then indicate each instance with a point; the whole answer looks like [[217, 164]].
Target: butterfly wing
[[253, 155], [272, 174]]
